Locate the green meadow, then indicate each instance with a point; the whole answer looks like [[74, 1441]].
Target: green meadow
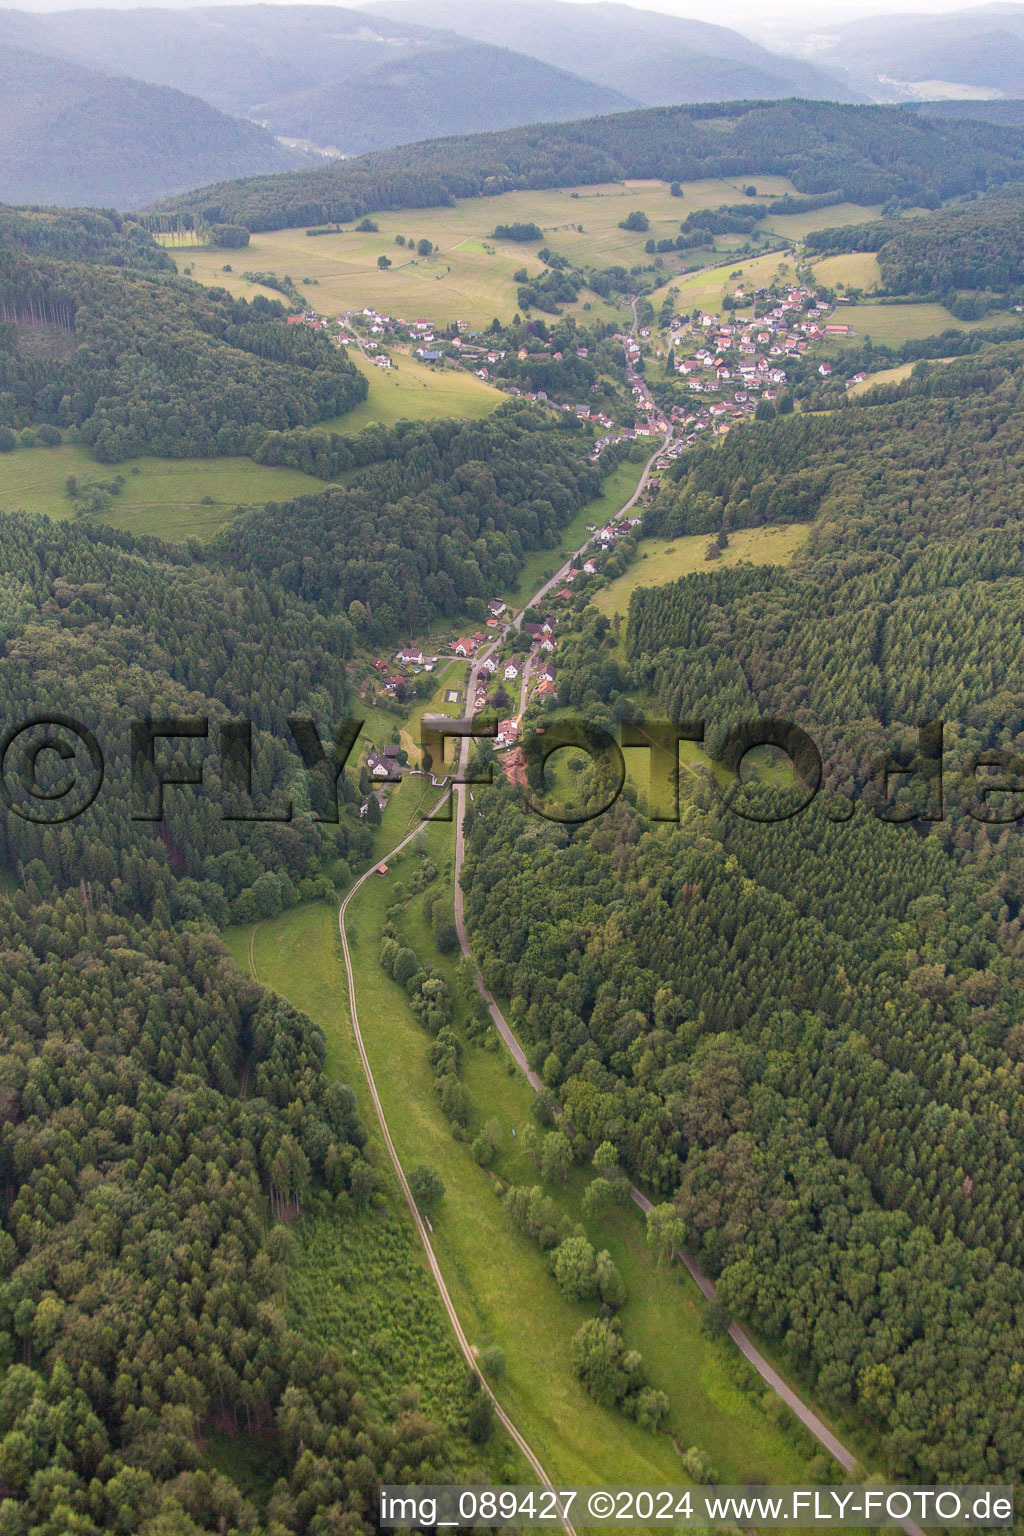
[[664, 560], [414, 391], [175, 499]]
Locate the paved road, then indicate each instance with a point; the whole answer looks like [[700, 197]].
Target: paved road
[[739, 1336], [435, 1267]]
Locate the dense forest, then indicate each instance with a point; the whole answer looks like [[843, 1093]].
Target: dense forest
[[138, 360], [148, 632], [975, 246], [141, 1272], [867, 154], [809, 1033], [82, 234], [443, 519]]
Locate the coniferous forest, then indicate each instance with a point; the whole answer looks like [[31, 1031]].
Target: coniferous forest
[[806, 1031]]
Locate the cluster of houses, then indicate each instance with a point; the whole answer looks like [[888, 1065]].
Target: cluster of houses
[[745, 358]]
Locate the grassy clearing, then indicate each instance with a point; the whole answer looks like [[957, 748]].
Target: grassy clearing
[[797, 225], [896, 323], [542, 563], [853, 269], [411, 391], [164, 497], [470, 276], [665, 560]]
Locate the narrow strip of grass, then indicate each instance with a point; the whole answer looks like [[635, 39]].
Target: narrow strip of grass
[[500, 1283]]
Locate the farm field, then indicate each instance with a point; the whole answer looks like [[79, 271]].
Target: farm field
[[895, 323], [164, 497], [854, 269], [412, 391], [471, 275], [797, 225], [665, 560]]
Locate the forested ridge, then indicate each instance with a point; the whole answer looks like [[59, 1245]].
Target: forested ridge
[[109, 630], [868, 154], [444, 515], [974, 246], [150, 362], [809, 1034]]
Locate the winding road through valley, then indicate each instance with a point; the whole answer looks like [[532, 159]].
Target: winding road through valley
[[767, 1372]]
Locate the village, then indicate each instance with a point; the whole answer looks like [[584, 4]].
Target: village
[[729, 366]]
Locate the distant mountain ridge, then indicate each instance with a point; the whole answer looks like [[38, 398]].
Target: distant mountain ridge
[[468, 85], [328, 74], [982, 49], [658, 59], [72, 136]]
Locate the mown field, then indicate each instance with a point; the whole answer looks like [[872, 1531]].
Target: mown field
[[896, 323], [854, 269], [175, 499], [797, 225], [470, 276], [412, 391], [664, 560]]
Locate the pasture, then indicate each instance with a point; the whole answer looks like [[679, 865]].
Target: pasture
[[896, 323], [665, 560], [174, 499], [797, 225], [854, 269], [470, 275], [413, 391]]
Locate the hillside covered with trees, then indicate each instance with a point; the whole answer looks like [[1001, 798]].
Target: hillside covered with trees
[[975, 246], [807, 1033], [869, 154], [142, 361]]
